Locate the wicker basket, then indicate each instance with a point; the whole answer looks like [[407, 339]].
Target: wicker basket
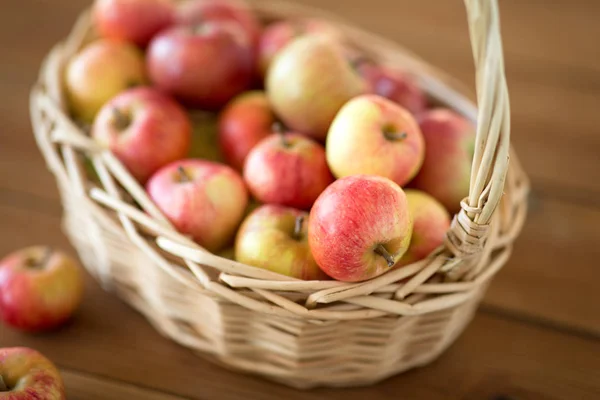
[[302, 333]]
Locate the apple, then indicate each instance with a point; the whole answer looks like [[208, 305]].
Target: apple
[[309, 81], [288, 169], [246, 120], [359, 227], [431, 221], [203, 65], [26, 374], [394, 85], [446, 171], [135, 21], [205, 136], [99, 72], [374, 136], [236, 11], [145, 129], [275, 237], [203, 199], [40, 288], [278, 34]]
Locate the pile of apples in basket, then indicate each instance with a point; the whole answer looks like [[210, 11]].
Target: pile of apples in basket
[[329, 164]]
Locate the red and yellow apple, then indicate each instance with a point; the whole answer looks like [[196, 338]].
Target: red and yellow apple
[[145, 129], [99, 72], [309, 81], [25, 374], [359, 227], [203, 199], [203, 65], [430, 224], [287, 169], [374, 136], [394, 85], [237, 11], [40, 288], [135, 21], [275, 238], [278, 34], [446, 171], [246, 120]]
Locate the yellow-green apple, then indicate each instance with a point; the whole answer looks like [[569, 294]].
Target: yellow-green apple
[[278, 34], [99, 72], [25, 374], [203, 65], [203, 199], [288, 169], [275, 238], [450, 141], [430, 224], [236, 11], [145, 129], [135, 21], [309, 81], [394, 84], [246, 120], [359, 227], [374, 136], [40, 288]]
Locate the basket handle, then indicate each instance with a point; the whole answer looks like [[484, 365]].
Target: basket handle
[[490, 161]]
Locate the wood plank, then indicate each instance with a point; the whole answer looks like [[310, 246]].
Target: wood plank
[[554, 83], [495, 355], [81, 386]]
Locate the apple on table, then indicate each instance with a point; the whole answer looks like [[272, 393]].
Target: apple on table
[[99, 72], [25, 374], [145, 129], [374, 136], [359, 227], [40, 288], [203, 199], [275, 238], [288, 169]]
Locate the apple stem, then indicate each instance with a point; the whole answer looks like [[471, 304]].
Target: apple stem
[[277, 127], [298, 227], [3, 387], [183, 175], [394, 136], [121, 119], [41, 262], [382, 251]]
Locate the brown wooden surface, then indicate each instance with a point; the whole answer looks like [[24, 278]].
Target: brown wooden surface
[[536, 335]]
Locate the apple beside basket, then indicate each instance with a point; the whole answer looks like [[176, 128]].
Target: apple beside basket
[[301, 333]]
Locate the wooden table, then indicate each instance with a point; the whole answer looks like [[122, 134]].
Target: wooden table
[[537, 333]]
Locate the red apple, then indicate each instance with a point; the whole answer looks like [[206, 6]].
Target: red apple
[[237, 11], [99, 72], [145, 129], [394, 85], [431, 221], [203, 199], [287, 169], [39, 288], [275, 238], [374, 136], [203, 65], [446, 171], [26, 374], [135, 21], [309, 81], [359, 227], [277, 35], [243, 123]]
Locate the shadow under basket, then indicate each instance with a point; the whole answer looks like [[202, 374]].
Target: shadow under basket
[[301, 333]]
